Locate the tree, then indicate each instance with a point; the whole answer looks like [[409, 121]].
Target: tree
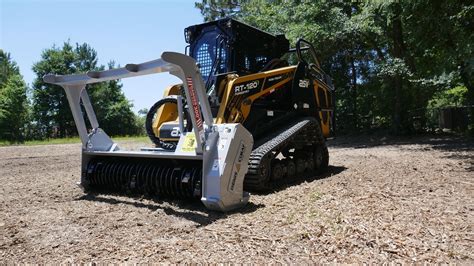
[[213, 9], [13, 100], [334, 30], [7, 68], [387, 59], [51, 111], [50, 107], [113, 109], [13, 109]]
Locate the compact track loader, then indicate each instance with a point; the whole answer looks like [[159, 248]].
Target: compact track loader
[[243, 119]]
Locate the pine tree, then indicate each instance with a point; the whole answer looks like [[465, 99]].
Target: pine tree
[[13, 100]]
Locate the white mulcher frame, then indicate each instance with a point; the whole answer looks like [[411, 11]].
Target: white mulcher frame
[[223, 148]]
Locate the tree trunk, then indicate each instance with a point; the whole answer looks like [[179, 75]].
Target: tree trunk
[[354, 88], [467, 80], [398, 52]]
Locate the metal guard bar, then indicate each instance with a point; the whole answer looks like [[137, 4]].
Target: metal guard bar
[[130, 70], [179, 65]]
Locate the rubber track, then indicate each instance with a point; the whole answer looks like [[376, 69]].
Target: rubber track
[[306, 131]]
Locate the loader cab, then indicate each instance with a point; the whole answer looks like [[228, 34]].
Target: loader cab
[[210, 51], [230, 46]]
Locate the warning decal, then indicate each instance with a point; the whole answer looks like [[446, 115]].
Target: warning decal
[[196, 110], [189, 143]]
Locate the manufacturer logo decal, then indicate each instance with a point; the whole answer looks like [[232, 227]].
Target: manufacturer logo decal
[[241, 153], [237, 166], [304, 83], [245, 88]]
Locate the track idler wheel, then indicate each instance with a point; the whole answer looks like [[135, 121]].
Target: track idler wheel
[[310, 165], [264, 172], [321, 158], [277, 170], [290, 168], [300, 165]]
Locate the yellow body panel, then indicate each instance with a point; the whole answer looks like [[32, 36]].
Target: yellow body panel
[[168, 111], [239, 113], [325, 123], [241, 108]]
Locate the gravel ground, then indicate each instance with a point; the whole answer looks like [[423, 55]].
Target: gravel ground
[[408, 200]]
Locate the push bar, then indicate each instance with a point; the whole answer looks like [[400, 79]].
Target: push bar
[[179, 65]]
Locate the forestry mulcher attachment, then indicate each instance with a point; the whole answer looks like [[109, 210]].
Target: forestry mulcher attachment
[[242, 119]]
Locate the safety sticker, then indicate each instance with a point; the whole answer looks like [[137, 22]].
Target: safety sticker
[[215, 165], [189, 143]]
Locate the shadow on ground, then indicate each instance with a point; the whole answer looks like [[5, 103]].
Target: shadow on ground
[[332, 170], [190, 210], [194, 210]]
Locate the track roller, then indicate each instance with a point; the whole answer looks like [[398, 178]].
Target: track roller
[[304, 150]]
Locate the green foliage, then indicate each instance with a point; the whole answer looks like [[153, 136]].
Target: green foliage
[[13, 109], [456, 96], [7, 68], [113, 110], [13, 100], [387, 59], [214, 9], [141, 119], [51, 113]]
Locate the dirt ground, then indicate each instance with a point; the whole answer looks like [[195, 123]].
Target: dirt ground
[[409, 200]]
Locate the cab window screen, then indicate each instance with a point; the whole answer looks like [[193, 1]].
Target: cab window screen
[[206, 51], [204, 59]]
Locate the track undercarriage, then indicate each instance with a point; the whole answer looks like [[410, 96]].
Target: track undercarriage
[[297, 150]]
